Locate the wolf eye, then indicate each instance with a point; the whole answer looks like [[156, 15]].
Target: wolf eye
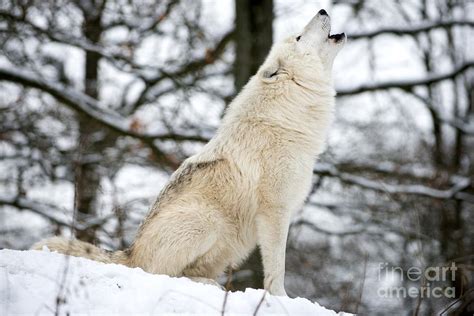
[[298, 38]]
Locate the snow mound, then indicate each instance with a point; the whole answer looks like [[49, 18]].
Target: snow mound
[[38, 283]]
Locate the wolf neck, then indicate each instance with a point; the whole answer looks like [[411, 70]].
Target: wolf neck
[[303, 116]]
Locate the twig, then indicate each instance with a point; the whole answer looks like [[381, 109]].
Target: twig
[[59, 299], [227, 286], [361, 291], [260, 303]]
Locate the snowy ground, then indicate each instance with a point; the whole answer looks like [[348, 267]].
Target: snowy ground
[[37, 283]]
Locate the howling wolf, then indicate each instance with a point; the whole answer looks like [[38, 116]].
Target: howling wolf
[[241, 189]]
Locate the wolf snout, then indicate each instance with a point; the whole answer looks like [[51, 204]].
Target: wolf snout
[[322, 21], [318, 29]]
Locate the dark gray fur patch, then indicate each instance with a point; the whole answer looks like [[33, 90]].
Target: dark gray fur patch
[[185, 177], [88, 249], [181, 179]]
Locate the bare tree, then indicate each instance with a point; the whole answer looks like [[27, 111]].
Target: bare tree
[[102, 128]]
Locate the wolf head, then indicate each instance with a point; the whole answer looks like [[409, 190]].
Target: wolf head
[[307, 57]]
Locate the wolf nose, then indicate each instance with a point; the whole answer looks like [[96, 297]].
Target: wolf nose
[[322, 12]]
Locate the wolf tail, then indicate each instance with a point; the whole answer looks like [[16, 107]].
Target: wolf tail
[[77, 248]]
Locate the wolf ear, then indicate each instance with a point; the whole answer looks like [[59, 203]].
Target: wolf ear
[[271, 73]]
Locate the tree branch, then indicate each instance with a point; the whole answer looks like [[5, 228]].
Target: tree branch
[[410, 30], [406, 85], [115, 55], [314, 227], [455, 192], [463, 126], [90, 107], [193, 66], [66, 40], [84, 104], [48, 211]]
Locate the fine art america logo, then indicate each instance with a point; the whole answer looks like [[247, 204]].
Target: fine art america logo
[[432, 281]]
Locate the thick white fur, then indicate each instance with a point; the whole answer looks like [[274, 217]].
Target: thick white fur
[[241, 189]]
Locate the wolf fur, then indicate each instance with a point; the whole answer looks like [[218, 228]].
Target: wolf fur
[[241, 189]]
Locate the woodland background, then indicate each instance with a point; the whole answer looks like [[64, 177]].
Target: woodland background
[[101, 100]]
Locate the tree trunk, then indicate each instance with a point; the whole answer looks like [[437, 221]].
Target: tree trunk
[[91, 137], [253, 39]]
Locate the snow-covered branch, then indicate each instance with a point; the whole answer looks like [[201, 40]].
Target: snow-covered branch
[[84, 104], [116, 56], [411, 29], [51, 212], [192, 67], [406, 85], [454, 192], [57, 37]]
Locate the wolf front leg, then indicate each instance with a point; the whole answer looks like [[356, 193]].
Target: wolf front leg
[[272, 233]]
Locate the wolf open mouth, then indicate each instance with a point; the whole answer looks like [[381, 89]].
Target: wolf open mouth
[[337, 37]]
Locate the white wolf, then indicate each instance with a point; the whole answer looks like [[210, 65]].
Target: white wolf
[[241, 189]]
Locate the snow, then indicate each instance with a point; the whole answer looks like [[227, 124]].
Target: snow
[[33, 282]]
